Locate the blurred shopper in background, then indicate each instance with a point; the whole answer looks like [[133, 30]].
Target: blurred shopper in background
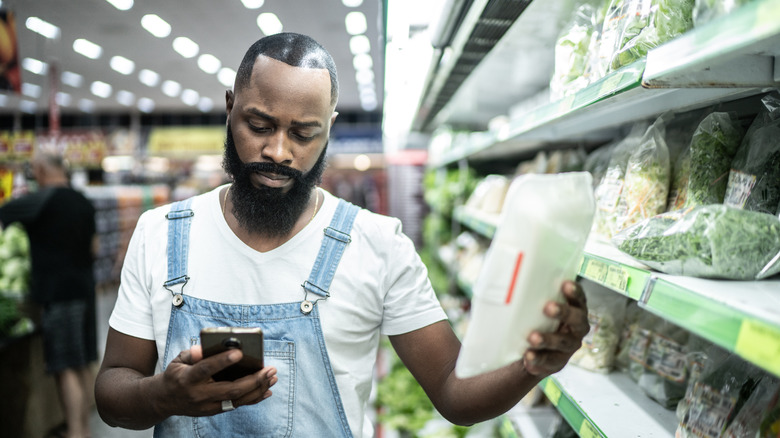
[[60, 223]]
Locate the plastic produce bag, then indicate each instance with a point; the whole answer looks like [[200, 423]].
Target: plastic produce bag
[[710, 155], [605, 315], [488, 195], [754, 180], [632, 313], [647, 177], [712, 241], [757, 407], [666, 365], [609, 191], [538, 244], [597, 162], [707, 10], [717, 398], [639, 343], [571, 53]]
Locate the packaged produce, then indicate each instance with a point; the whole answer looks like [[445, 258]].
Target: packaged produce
[[647, 178], [538, 244], [705, 11], [14, 261], [630, 325], [609, 192], [666, 365], [709, 158], [597, 162], [678, 186], [605, 315], [488, 195], [717, 398], [714, 241], [639, 343], [571, 53], [754, 180], [757, 407]]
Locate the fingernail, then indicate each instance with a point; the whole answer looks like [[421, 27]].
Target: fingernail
[[234, 356], [555, 310], [535, 339], [530, 357]]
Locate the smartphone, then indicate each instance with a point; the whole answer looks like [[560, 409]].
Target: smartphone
[[249, 340]]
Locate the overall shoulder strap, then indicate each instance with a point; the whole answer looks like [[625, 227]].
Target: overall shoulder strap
[[179, 220], [334, 242]]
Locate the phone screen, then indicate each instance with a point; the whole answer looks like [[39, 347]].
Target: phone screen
[[215, 340]]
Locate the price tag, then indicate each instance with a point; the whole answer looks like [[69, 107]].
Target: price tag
[[617, 278], [759, 343], [552, 391], [610, 84], [596, 270], [587, 430]]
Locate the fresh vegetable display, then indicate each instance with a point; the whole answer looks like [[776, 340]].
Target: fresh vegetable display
[[708, 10], [709, 158], [715, 241], [605, 315], [571, 53], [14, 261], [665, 376]]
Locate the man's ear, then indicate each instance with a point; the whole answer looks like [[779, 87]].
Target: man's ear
[[333, 118], [229, 100]]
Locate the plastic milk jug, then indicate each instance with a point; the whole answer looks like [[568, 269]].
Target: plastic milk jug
[[538, 244]]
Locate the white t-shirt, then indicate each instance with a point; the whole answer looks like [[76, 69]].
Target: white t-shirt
[[380, 286]]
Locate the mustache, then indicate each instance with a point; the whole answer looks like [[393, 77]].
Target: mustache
[[255, 167]]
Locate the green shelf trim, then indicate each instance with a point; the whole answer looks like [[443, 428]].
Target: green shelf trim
[[627, 280], [755, 340], [506, 429], [569, 409], [751, 23], [478, 225]]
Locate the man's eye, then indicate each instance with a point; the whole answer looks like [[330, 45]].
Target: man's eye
[[304, 137], [259, 128]]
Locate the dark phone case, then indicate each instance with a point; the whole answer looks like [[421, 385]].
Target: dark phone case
[[214, 342]]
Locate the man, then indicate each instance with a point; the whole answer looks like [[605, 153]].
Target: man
[[60, 223], [255, 255]]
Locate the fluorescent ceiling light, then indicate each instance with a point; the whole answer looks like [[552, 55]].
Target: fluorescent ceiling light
[[205, 104], [185, 47], [100, 89], [269, 23], [359, 44], [226, 76], [368, 106], [63, 99], [34, 66], [367, 93], [253, 4], [122, 5], [31, 90], [352, 3], [86, 105], [125, 97], [87, 48], [356, 23], [363, 62], [149, 78], [364, 76], [190, 97], [122, 65], [44, 28], [209, 63], [28, 106], [156, 25], [75, 80], [145, 104], [171, 88]]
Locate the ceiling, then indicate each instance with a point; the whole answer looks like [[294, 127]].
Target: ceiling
[[224, 28]]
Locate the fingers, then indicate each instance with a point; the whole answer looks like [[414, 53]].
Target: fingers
[[544, 363], [247, 390]]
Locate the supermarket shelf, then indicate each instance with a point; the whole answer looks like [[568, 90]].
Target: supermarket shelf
[[740, 316], [525, 422], [607, 405], [482, 223], [723, 60]]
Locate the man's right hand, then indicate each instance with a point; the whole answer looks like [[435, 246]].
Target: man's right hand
[[190, 389]]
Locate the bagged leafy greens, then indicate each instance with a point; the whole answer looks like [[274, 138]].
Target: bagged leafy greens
[[707, 10], [647, 178], [571, 53], [709, 158], [754, 179], [715, 241], [757, 407], [597, 162]]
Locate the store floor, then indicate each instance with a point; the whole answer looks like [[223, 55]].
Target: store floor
[[105, 303]]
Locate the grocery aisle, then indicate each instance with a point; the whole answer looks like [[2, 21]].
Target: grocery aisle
[[105, 303]]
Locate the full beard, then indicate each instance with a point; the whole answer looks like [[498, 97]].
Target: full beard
[[268, 211]]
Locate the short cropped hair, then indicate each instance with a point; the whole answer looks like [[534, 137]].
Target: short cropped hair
[[293, 49]]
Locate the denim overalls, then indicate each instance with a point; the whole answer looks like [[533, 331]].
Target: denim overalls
[[305, 400]]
